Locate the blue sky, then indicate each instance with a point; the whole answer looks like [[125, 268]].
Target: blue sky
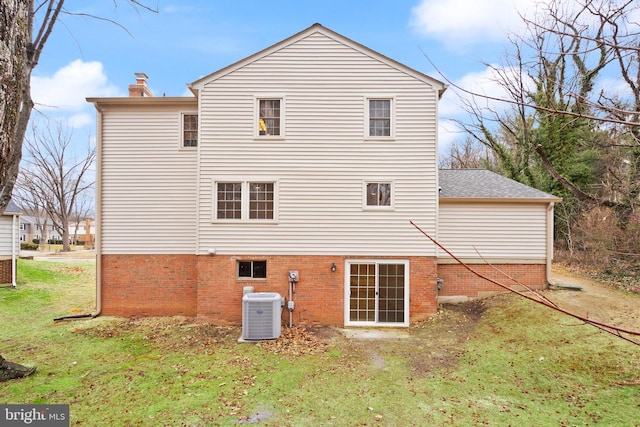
[[188, 39]]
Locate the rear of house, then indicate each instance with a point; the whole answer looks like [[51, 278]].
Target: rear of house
[[310, 156]]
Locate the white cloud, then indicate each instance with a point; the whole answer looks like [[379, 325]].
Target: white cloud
[[448, 134], [68, 87], [468, 22], [484, 83], [81, 120]]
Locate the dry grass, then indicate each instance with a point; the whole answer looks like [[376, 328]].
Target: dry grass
[[503, 361]]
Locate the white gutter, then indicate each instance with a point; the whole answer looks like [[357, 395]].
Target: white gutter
[[98, 234], [14, 265], [549, 260]]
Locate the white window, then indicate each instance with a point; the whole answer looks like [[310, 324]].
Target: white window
[[380, 118], [245, 200], [189, 130], [378, 194], [270, 120]]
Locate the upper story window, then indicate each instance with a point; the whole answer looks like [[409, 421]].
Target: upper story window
[[229, 200], [189, 130], [380, 118], [244, 200], [378, 194], [261, 200], [270, 117]]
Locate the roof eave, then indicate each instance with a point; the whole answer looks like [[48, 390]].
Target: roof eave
[[136, 101], [198, 84], [500, 200]]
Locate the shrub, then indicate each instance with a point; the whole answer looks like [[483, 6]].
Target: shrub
[[35, 241], [26, 246]]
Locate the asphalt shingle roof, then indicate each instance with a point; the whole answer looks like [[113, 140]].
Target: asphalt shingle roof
[[12, 208], [484, 184]]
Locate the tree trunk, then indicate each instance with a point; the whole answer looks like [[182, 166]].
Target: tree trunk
[[66, 242], [16, 104], [10, 370]]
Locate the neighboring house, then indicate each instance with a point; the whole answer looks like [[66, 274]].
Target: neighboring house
[[84, 233], [9, 243], [312, 155], [34, 228]]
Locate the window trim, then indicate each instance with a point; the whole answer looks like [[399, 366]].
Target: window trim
[[256, 117], [252, 261], [244, 199], [377, 262], [392, 197], [181, 136], [392, 118]]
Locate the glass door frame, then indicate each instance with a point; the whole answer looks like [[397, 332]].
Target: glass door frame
[[347, 292]]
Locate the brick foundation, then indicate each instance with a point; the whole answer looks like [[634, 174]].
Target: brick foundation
[[6, 275], [149, 285], [206, 286], [460, 282]]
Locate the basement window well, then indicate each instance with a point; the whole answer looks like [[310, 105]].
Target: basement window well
[[252, 269]]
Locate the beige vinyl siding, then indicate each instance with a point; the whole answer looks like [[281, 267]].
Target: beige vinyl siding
[[321, 163], [6, 227], [148, 183], [499, 231]]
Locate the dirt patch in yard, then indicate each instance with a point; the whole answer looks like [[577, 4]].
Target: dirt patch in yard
[[596, 300], [437, 344], [432, 346]]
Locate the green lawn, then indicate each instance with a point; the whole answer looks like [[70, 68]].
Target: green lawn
[[519, 365]]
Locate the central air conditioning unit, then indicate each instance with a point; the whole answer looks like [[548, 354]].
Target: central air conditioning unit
[[261, 316]]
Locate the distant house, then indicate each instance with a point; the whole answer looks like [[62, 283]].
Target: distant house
[[312, 156], [42, 230], [9, 243], [37, 229]]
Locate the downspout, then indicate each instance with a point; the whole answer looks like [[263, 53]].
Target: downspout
[[98, 231], [14, 266], [549, 259]]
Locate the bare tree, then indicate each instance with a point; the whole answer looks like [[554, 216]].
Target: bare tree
[[557, 121], [468, 155], [25, 27], [83, 210], [57, 177], [26, 197], [563, 130]]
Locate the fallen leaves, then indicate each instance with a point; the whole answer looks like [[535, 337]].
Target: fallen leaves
[[296, 341]]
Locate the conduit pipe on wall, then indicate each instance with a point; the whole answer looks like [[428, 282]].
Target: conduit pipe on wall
[[14, 265]]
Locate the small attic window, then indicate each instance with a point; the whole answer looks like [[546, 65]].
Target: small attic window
[[189, 130], [269, 117]]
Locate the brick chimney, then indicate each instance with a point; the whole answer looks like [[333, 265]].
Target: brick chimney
[[140, 88]]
